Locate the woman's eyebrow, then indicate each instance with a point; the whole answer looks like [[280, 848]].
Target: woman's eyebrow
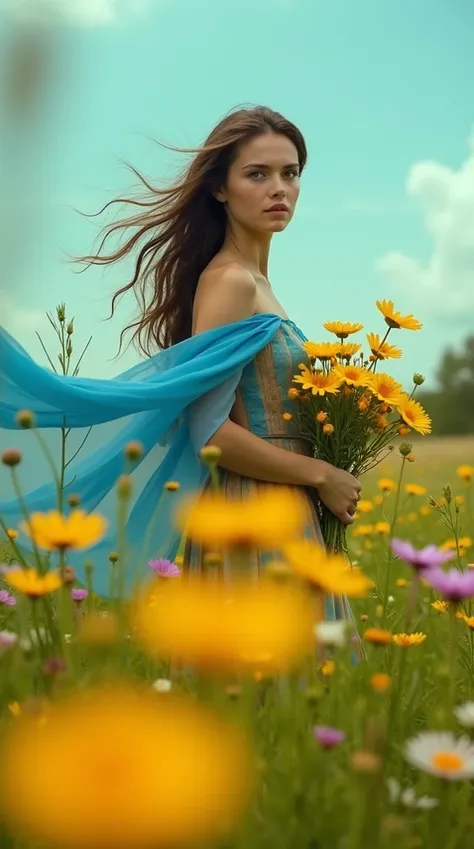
[[263, 165]]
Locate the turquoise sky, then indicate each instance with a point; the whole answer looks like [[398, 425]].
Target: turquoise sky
[[382, 90]]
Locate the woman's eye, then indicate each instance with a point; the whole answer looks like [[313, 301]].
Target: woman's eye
[[293, 172], [253, 173]]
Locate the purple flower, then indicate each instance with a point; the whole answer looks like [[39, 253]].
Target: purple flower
[[430, 557], [53, 666], [6, 598], [7, 639], [454, 585], [78, 594], [165, 568], [328, 737]]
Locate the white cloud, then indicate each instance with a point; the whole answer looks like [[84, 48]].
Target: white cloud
[[444, 284], [87, 13], [22, 323]]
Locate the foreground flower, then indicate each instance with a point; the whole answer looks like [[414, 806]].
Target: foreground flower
[[319, 382], [52, 530], [442, 754], [354, 375], [328, 737], [407, 640], [217, 627], [31, 583], [382, 350], [329, 573], [414, 415], [267, 519], [321, 350], [395, 319], [342, 329], [386, 389], [453, 585], [165, 568], [429, 557], [116, 768], [408, 797]]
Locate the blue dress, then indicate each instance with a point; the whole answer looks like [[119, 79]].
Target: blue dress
[[261, 400]]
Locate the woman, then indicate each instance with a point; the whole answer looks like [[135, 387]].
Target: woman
[[202, 276]]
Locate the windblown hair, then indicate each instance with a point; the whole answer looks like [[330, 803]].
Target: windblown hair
[[183, 227]]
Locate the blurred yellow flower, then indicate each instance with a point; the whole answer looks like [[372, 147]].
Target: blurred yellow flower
[[354, 375], [365, 506], [11, 533], [415, 489], [215, 626], [459, 499], [412, 517], [380, 682], [287, 417], [407, 640], [386, 484], [31, 583], [382, 350], [425, 510], [378, 500], [395, 319], [54, 531], [328, 668], [117, 768], [386, 389], [328, 429], [465, 472], [342, 329], [382, 527], [401, 582], [414, 415], [469, 620], [267, 519], [330, 573], [439, 606], [99, 629], [378, 636], [363, 530], [319, 382], [321, 416], [321, 350]]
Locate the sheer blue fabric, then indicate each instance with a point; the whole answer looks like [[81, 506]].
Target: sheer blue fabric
[[172, 403]]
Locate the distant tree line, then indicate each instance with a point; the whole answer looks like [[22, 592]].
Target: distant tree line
[[451, 404]]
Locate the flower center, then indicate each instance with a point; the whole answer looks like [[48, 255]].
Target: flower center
[[447, 761]]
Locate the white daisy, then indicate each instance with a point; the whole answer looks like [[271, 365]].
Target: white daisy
[[162, 685], [442, 754], [331, 633], [465, 714], [408, 797]]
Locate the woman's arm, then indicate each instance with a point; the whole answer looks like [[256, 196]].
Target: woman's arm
[[226, 296]]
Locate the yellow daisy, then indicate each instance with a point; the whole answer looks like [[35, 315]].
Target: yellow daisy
[[345, 351], [386, 484], [54, 531], [321, 350], [396, 319], [414, 415], [386, 389], [382, 527], [342, 329], [31, 583], [415, 489], [407, 640], [465, 472], [382, 350], [329, 573], [354, 375], [318, 382], [365, 506], [439, 606]]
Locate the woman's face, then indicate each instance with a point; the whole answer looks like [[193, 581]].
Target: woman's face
[[265, 172]]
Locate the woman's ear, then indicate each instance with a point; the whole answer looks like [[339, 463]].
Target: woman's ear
[[220, 195]]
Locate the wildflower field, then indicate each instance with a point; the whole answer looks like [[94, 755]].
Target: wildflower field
[[190, 715]]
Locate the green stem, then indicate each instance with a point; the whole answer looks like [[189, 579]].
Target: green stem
[[391, 536]]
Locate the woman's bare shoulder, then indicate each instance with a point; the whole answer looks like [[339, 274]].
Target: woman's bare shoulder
[[226, 292]]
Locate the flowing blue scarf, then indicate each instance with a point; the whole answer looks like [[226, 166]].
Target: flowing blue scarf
[[172, 404]]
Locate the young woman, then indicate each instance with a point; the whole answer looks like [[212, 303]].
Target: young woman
[[202, 279]]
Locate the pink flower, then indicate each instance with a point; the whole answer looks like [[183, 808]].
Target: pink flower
[[165, 568], [328, 737], [430, 557], [453, 585], [78, 594], [6, 598], [7, 639]]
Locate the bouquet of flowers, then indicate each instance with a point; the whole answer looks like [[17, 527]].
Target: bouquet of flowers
[[350, 409]]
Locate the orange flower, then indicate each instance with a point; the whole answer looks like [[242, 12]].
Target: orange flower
[[378, 636], [328, 429], [380, 682]]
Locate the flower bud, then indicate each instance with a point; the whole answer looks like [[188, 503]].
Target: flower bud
[[411, 458], [328, 429], [74, 500], [367, 762], [11, 457], [418, 379], [70, 328], [113, 557], [403, 430], [124, 486], [61, 312], [25, 419], [171, 486], [447, 494], [68, 575], [405, 449], [11, 533], [133, 450], [210, 454]]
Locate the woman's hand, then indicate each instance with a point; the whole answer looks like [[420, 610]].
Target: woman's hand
[[339, 491]]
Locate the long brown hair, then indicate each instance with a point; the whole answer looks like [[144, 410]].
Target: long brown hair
[[183, 226]]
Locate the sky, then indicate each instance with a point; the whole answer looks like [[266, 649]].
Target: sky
[[381, 89]]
